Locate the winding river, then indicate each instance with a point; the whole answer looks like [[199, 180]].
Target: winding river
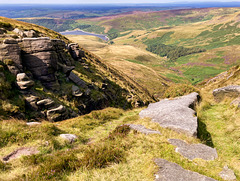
[[80, 32]]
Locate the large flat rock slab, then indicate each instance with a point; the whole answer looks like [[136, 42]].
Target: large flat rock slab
[[169, 171], [177, 114], [20, 152], [232, 91], [192, 151]]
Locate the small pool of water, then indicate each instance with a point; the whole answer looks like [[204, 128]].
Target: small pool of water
[[80, 32]]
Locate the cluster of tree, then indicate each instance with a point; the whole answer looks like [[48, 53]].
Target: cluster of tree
[[7, 26], [56, 25], [172, 52], [112, 35]]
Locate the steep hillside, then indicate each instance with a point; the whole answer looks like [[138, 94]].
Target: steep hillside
[[55, 80]]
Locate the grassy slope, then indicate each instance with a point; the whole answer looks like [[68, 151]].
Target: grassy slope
[[28, 26], [214, 29]]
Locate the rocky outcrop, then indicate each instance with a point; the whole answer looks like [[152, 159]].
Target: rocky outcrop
[[75, 51], [40, 57], [177, 114], [192, 151], [57, 114], [169, 171], [46, 103], [143, 129], [21, 33], [10, 54], [231, 91], [23, 81]]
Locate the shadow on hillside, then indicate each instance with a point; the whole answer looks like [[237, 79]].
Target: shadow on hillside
[[203, 134]]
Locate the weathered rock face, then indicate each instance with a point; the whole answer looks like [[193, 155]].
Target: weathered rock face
[[41, 57], [23, 81], [10, 54], [192, 151], [75, 51], [176, 114], [30, 33], [73, 77], [231, 91], [169, 171], [57, 114]]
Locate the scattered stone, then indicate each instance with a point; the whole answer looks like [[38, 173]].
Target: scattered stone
[[33, 123], [46, 103], [176, 114], [169, 171], [76, 91], [69, 137], [227, 174], [73, 77], [20, 152], [143, 129], [231, 91], [192, 151]]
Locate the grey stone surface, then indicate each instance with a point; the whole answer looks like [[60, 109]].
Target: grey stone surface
[[11, 51], [73, 77], [192, 151], [143, 129], [57, 114], [227, 174], [30, 101], [169, 171], [20, 152], [176, 114], [76, 91], [33, 123], [46, 103], [22, 77], [25, 84], [69, 137], [231, 91], [236, 102]]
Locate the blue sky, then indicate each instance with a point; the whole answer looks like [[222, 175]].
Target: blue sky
[[102, 1]]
